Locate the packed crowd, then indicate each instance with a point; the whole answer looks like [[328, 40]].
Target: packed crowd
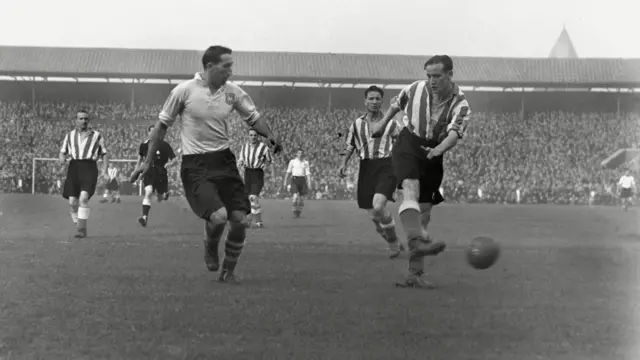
[[548, 157]]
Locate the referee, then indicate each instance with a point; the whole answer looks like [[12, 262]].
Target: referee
[[84, 146], [254, 157]]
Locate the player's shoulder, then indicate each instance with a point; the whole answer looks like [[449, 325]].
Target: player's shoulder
[[231, 88], [185, 87]]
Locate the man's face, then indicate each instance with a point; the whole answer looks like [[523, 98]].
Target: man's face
[[253, 136], [439, 80], [218, 74], [82, 120], [299, 154], [373, 101]]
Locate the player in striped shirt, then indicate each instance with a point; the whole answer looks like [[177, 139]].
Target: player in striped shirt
[[627, 185], [376, 180], [212, 183], [254, 157], [84, 146], [113, 187], [437, 116]]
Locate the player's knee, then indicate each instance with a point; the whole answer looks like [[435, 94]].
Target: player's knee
[[411, 189], [425, 209], [379, 204], [219, 216], [238, 218]]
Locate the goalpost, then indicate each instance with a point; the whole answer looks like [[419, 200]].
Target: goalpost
[[38, 176]]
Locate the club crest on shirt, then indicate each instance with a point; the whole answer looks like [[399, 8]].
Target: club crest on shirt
[[230, 98]]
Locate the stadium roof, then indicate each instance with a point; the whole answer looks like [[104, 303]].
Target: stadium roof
[[316, 67]]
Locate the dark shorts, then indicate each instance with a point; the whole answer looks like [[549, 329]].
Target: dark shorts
[[82, 175], [112, 185], [626, 193], [299, 185], [376, 176], [158, 179], [253, 181], [410, 162], [211, 181]]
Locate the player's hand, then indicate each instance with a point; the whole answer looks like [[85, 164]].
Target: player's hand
[[342, 172], [140, 171], [288, 188], [275, 144], [431, 152]]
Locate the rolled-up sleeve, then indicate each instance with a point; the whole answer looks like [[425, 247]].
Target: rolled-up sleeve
[[351, 138], [460, 118], [246, 108], [174, 105]]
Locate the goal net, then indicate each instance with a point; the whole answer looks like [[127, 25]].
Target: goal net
[[48, 174]]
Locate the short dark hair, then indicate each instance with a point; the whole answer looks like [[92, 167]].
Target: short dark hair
[[373, 88], [213, 54], [83, 111], [150, 127], [445, 60]]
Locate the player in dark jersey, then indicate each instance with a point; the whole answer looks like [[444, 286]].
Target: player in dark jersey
[[156, 179]]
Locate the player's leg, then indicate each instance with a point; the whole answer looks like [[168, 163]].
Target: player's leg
[[88, 180], [255, 188], [295, 191], [237, 203], [73, 205], [116, 194], [105, 196], [425, 216], [385, 225], [161, 186], [146, 205]]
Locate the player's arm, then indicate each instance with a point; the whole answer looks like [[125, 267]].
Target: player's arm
[[172, 108], [397, 104], [247, 110], [307, 172], [288, 173], [455, 130], [350, 148], [102, 153], [64, 150]]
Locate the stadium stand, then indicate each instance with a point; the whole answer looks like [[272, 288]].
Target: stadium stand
[[546, 146]]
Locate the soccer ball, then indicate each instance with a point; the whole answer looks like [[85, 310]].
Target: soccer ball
[[482, 253]]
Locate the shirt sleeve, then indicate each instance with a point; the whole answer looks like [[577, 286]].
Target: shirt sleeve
[[290, 167], [102, 149], [65, 145], [174, 105], [307, 169], [351, 138], [267, 155], [460, 118], [402, 100], [245, 107]]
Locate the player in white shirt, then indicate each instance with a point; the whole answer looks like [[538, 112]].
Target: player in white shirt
[[113, 187], [300, 174], [627, 185]]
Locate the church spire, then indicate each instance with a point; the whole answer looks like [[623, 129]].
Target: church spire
[[563, 48]]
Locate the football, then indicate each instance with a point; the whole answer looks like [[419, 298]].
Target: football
[[483, 252]]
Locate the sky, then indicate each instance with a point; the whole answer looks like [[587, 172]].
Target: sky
[[499, 28]]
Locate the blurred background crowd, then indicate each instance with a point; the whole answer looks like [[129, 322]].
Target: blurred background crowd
[[543, 157]]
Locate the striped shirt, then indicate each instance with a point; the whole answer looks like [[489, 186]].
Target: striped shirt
[[255, 156], [83, 145], [433, 121], [299, 168], [113, 173], [205, 115], [359, 138]]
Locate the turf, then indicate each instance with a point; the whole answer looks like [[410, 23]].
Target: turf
[[319, 287]]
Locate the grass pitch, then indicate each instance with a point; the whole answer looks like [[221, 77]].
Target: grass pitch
[[320, 287]]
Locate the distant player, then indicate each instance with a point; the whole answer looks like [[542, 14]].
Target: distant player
[[212, 183], [84, 146], [113, 187], [254, 157], [376, 179], [437, 116], [157, 178], [627, 185], [300, 174]]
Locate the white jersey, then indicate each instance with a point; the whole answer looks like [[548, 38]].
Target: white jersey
[[627, 182], [298, 168]]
